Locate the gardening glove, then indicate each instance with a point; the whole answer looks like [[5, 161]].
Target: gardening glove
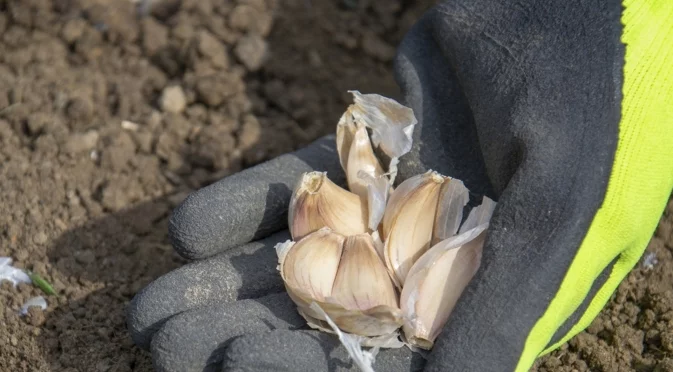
[[230, 304], [538, 105]]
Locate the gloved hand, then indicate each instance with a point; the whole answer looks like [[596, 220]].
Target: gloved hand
[[535, 104]]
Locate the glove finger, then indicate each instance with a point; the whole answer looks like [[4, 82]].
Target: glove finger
[[310, 351], [248, 205], [246, 271], [445, 138], [196, 340]]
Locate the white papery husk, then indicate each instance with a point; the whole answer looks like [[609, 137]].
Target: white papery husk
[[11, 273], [392, 125]]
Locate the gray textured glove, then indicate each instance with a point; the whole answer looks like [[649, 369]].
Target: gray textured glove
[[230, 303]]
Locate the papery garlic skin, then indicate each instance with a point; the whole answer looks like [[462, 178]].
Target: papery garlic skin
[[408, 222], [346, 278], [437, 280], [392, 123], [318, 202]]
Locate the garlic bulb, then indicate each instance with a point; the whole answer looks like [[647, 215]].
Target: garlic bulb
[[318, 202], [373, 262], [345, 277], [411, 216], [436, 280]]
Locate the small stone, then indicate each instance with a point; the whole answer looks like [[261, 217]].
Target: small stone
[[667, 341], [250, 133], [40, 268], [251, 50], [314, 58], [166, 144], [177, 198], [103, 333], [85, 257], [212, 49], [130, 126], [119, 153], [73, 30], [215, 89], [144, 141], [37, 122], [211, 147], [183, 30], [79, 109], [80, 142], [246, 18], [114, 197], [35, 316], [21, 255], [103, 366], [40, 238], [173, 100], [13, 340], [155, 36], [347, 41]]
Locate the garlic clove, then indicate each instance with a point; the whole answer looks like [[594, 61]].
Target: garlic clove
[[346, 278], [356, 154], [435, 284], [345, 133], [452, 199], [407, 226], [312, 263], [392, 125], [362, 281], [318, 202], [361, 159], [377, 197]]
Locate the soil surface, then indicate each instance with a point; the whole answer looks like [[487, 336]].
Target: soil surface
[[111, 112]]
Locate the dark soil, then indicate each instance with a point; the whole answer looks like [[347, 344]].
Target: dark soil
[[110, 114]]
